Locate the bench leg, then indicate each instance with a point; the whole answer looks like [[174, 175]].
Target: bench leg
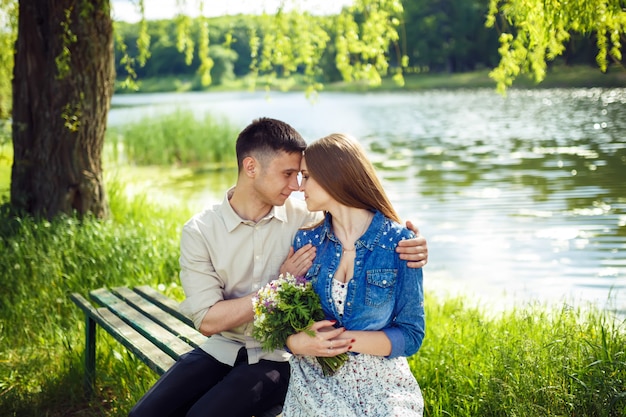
[[90, 355]]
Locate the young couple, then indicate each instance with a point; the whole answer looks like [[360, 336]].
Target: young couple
[[347, 239]]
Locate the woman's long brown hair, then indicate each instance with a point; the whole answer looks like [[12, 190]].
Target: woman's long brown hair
[[338, 163]]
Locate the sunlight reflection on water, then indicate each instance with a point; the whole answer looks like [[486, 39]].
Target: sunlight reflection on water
[[521, 198]]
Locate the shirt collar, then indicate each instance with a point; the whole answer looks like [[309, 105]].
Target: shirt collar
[[232, 219]]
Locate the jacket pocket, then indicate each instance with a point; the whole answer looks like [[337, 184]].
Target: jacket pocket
[[380, 286]]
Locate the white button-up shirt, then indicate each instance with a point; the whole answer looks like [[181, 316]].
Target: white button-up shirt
[[223, 256]]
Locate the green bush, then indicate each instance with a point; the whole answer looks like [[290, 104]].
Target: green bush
[[176, 138]]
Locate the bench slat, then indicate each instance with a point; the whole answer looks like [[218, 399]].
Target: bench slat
[[150, 354], [162, 301], [146, 322], [171, 323], [159, 336]]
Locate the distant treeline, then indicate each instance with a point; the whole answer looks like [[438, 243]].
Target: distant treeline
[[438, 36]]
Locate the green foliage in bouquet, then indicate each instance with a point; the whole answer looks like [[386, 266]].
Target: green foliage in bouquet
[[285, 306]]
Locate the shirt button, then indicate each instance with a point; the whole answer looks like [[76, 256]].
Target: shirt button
[[349, 304], [384, 281]]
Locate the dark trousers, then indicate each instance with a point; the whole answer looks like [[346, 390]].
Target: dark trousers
[[199, 385]]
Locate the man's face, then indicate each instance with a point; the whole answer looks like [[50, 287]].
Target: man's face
[[278, 178]]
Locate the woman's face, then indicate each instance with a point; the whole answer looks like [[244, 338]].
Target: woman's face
[[317, 199]]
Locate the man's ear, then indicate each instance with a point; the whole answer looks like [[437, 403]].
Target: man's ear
[[250, 166]]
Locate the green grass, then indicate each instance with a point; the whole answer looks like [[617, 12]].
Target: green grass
[[161, 84], [42, 331], [535, 361], [558, 76], [175, 138], [193, 83], [532, 361]]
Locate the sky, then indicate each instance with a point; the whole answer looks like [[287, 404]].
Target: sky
[[126, 10]]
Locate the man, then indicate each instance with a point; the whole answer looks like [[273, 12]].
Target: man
[[228, 253]]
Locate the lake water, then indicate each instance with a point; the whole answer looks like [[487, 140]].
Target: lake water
[[522, 198]]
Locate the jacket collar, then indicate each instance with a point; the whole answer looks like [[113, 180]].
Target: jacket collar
[[369, 239]]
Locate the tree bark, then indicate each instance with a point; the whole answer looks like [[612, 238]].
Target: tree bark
[[60, 106]]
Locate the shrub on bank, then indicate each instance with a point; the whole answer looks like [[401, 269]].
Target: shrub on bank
[[176, 138]]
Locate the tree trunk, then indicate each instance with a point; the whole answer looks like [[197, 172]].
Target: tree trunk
[[60, 106]]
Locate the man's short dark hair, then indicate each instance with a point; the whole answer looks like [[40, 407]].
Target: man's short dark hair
[[266, 136]]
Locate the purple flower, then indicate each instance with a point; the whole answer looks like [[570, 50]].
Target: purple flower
[[269, 305]]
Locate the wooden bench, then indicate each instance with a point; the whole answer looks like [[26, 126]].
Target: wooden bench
[[145, 322]]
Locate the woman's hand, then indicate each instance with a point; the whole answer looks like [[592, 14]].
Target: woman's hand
[[326, 342]]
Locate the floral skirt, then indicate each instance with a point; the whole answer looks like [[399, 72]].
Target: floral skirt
[[365, 385]]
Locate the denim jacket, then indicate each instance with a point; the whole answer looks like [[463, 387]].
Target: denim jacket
[[384, 293]]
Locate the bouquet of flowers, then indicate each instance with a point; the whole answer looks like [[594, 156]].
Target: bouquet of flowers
[[286, 306]]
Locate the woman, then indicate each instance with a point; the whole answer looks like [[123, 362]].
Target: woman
[[369, 294]]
